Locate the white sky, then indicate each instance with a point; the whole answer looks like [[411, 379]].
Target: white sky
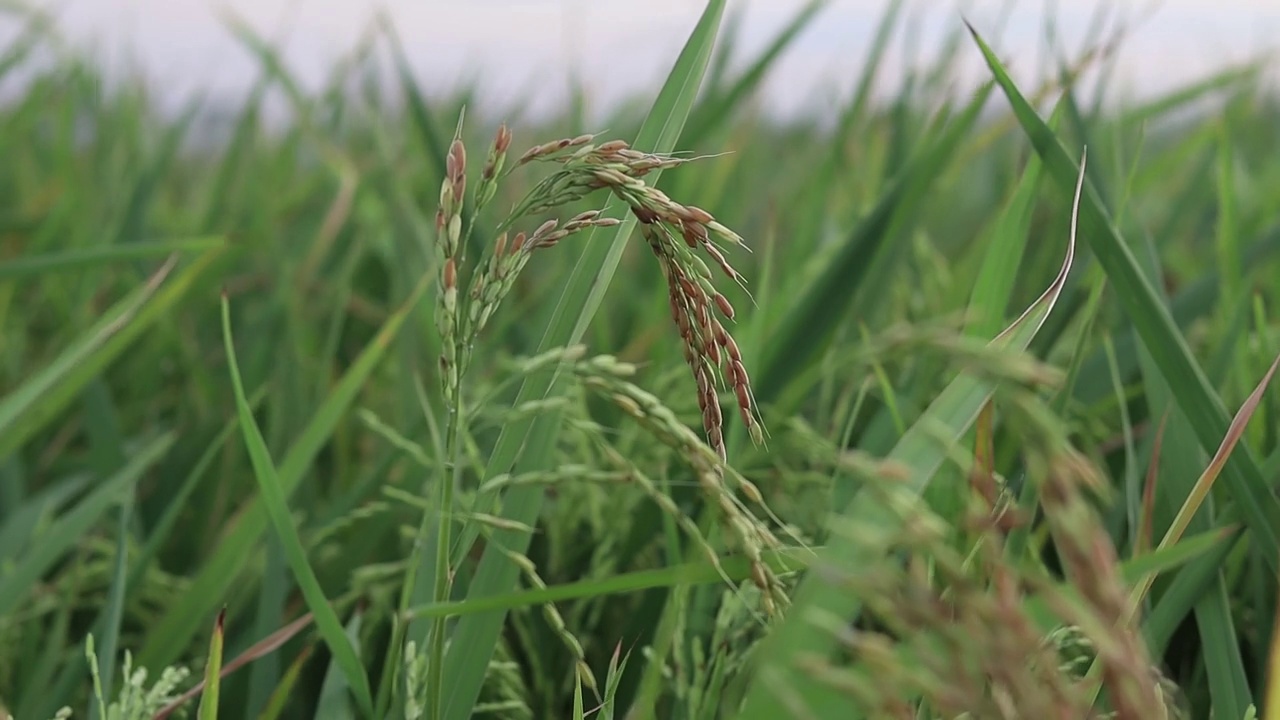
[[524, 48]]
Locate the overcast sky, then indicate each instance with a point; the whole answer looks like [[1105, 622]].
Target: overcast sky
[[522, 48]]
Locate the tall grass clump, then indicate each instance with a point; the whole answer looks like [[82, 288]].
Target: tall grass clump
[[357, 402]]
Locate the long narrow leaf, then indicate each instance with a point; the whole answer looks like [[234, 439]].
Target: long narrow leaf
[[173, 631], [212, 672], [275, 498]]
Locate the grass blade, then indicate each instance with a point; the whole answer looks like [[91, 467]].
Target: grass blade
[[275, 498], [173, 631], [1210, 474], [267, 645], [212, 672], [86, 258], [1272, 682], [712, 114]]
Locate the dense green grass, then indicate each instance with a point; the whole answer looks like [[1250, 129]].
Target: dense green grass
[[224, 444]]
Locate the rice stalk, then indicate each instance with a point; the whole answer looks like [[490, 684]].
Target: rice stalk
[[712, 354]]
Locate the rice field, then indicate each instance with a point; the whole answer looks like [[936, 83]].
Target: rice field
[[955, 404]]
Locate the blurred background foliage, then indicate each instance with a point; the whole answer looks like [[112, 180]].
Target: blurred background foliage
[[880, 237]]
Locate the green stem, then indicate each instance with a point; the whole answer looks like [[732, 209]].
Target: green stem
[[435, 678]]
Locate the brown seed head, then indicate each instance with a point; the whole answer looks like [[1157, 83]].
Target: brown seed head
[[503, 139], [500, 245]]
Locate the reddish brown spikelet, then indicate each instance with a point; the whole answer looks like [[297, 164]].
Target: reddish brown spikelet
[[682, 325], [613, 146], [450, 275], [644, 215], [720, 260], [518, 242], [456, 161], [686, 285], [731, 346], [698, 215], [500, 245], [531, 153], [715, 436], [744, 404], [501, 140], [703, 311], [690, 238], [457, 169], [544, 228], [723, 304], [711, 416], [694, 233], [704, 384]]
